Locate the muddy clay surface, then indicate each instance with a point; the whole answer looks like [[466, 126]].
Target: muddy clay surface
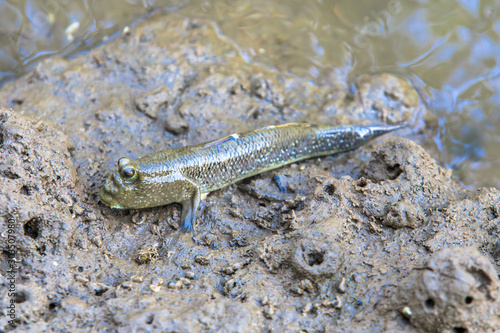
[[381, 239]]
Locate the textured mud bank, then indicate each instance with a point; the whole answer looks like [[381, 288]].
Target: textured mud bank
[[379, 239]]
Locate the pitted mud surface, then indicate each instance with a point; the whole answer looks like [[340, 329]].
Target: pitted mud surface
[[379, 239]]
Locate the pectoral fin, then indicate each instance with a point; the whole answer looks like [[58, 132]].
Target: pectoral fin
[[189, 211]]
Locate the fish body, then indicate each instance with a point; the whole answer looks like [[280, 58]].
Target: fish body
[[183, 174]]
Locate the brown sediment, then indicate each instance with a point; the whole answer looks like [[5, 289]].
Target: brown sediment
[[333, 244]]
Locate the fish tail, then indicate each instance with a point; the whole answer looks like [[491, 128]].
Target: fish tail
[[377, 131]]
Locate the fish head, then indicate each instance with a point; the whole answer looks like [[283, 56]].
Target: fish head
[[140, 185]]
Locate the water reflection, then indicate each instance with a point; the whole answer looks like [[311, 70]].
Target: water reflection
[[31, 30]]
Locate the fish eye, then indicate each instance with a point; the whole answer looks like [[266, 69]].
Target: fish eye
[[123, 161], [129, 172]]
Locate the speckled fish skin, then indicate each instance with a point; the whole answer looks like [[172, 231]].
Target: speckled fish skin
[[183, 174]]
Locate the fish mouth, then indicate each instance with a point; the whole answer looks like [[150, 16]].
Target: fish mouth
[[107, 199]]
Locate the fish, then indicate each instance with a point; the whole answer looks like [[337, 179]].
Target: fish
[[184, 174]]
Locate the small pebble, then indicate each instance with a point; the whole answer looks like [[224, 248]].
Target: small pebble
[[307, 285], [138, 218], [157, 280], [229, 270], [97, 241], [203, 260], [269, 311], [185, 281], [99, 287], [230, 284], [189, 275], [81, 278], [154, 287], [66, 199], [127, 284], [337, 303], [307, 308], [406, 311], [155, 230], [77, 210], [342, 285], [358, 278], [137, 278], [265, 300], [91, 216], [297, 290], [175, 285]]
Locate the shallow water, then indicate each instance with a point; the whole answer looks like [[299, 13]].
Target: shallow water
[[449, 48]]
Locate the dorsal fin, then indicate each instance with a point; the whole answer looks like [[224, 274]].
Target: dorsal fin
[[220, 141], [286, 125]]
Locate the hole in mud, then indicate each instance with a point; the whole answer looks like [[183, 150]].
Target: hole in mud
[[394, 214], [100, 292], [42, 249], [330, 189], [491, 213], [21, 296], [362, 182], [31, 228], [468, 300], [17, 101], [2, 137], [25, 190], [483, 279], [9, 174], [460, 330], [53, 306], [255, 113], [150, 318], [81, 269], [394, 171], [261, 204], [315, 258], [429, 303]]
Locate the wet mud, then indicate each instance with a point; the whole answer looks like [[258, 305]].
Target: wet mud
[[381, 239]]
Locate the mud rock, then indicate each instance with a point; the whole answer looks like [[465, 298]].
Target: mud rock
[[176, 124], [473, 221], [38, 184], [318, 259], [404, 214], [456, 291], [150, 102], [325, 242], [30, 304], [168, 312], [399, 170]]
